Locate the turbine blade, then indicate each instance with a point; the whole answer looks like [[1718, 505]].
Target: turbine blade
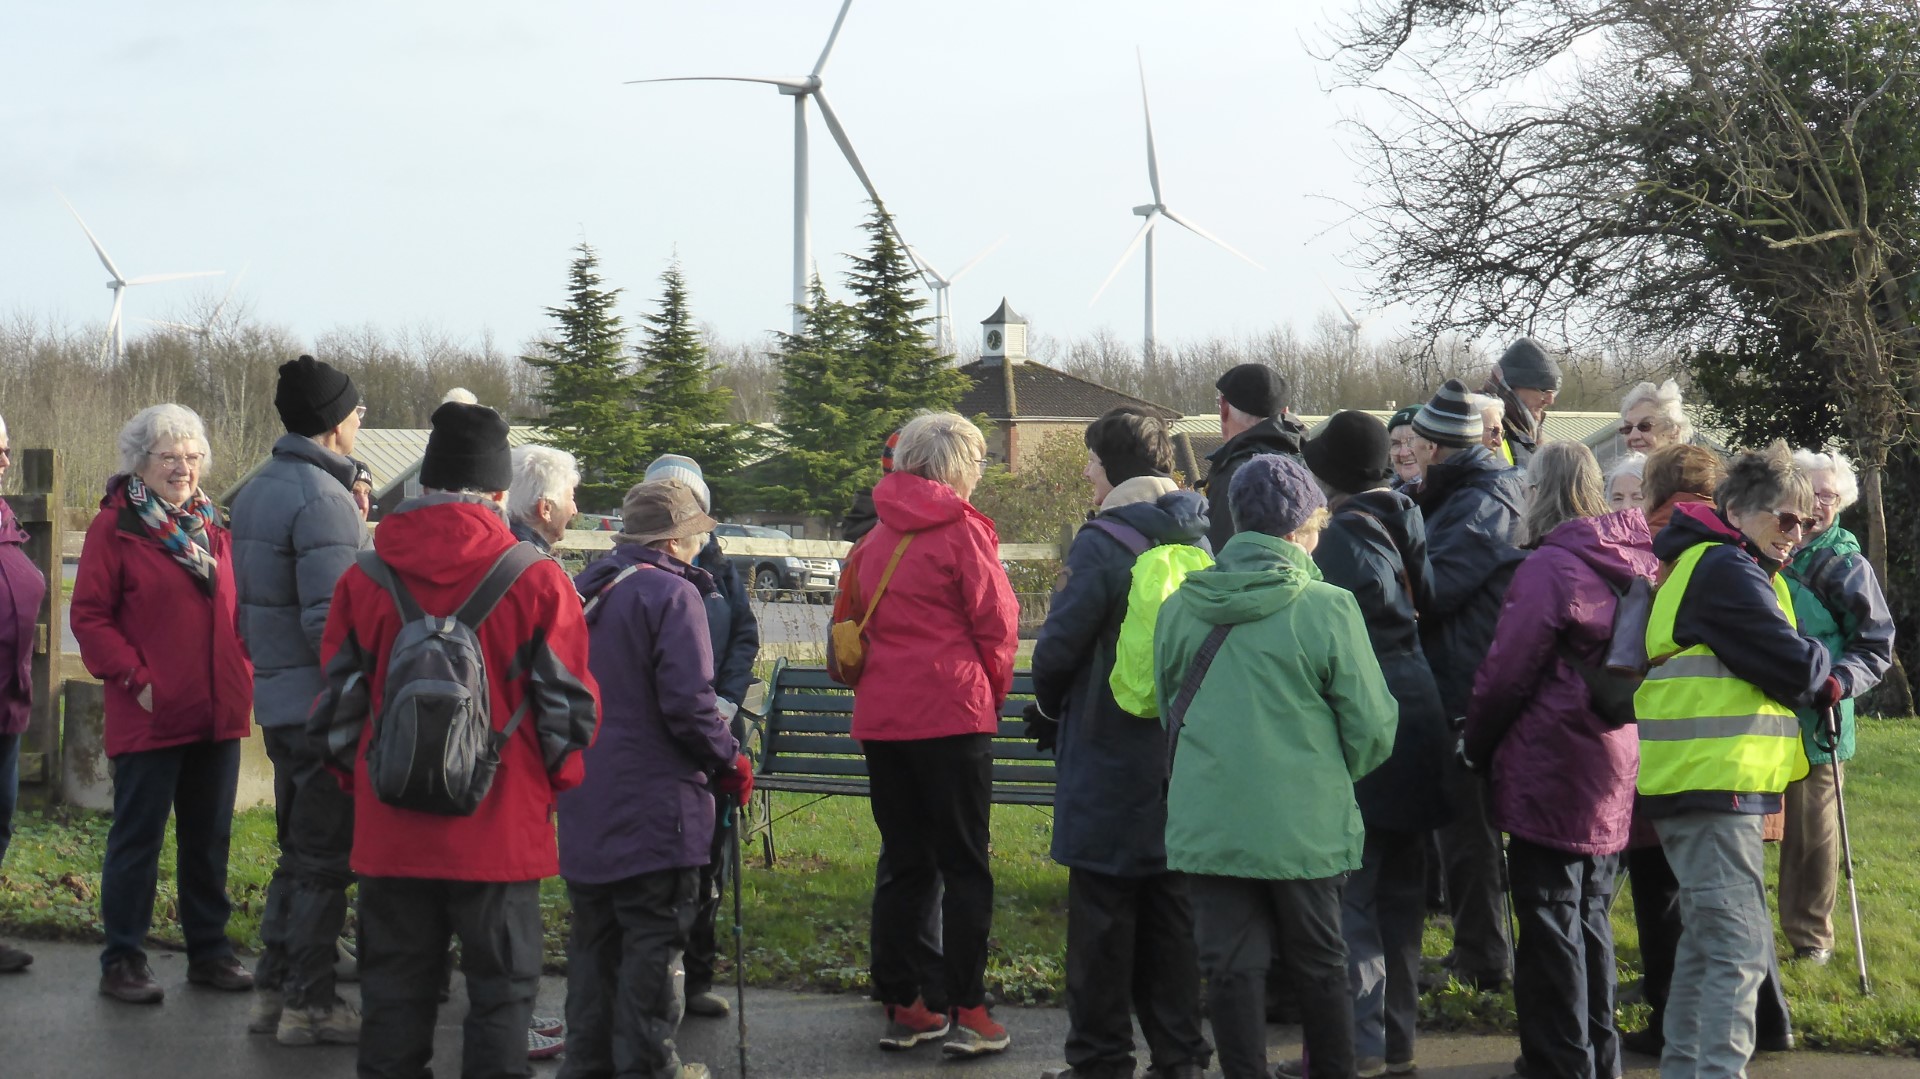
[[794, 82], [846, 147], [821, 64], [156, 278], [976, 260], [171, 325], [1344, 313], [1138, 239], [1205, 235], [1153, 159], [222, 305], [926, 268], [97, 249]]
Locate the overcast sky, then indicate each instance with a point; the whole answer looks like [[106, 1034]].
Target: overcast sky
[[430, 163]]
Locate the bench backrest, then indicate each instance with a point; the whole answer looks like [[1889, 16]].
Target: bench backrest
[[809, 725]]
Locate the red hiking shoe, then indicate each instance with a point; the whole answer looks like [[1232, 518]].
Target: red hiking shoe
[[975, 1034], [910, 1024]]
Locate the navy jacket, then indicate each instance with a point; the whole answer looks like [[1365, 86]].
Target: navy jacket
[[1375, 546], [1472, 502], [1110, 802], [731, 627], [1281, 434]]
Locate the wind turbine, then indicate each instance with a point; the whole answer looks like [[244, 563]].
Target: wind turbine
[[1354, 325], [1153, 212], [939, 283], [116, 342], [204, 331], [800, 88]]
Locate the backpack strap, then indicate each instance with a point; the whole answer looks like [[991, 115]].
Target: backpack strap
[[1122, 533], [382, 574], [611, 585], [492, 588], [1196, 674]]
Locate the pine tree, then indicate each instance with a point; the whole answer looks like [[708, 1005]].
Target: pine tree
[[683, 411], [829, 451], [588, 386], [903, 372]]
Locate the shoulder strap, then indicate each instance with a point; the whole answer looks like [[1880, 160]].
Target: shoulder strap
[[1196, 674], [893, 563], [611, 585], [1122, 533], [373, 566], [507, 569]]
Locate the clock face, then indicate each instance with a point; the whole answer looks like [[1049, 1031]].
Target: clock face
[[993, 340]]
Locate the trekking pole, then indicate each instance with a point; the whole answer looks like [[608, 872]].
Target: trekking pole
[[1846, 849], [737, 812]]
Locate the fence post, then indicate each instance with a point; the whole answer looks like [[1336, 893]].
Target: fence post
[[41, 511]]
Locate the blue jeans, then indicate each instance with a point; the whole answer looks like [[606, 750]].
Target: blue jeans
[[196, 784], [1381, 915], [1726, 942], [9, 788]]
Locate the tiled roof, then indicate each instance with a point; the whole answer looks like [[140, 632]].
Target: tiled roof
[[391, 453], [1042, 392]]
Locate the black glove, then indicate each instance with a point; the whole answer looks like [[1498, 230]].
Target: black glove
[[1044, 732]]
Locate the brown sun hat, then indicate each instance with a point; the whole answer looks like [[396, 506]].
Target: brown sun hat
[[662, 509]]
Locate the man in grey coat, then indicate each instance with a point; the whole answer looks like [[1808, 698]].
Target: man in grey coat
[[296, 529]]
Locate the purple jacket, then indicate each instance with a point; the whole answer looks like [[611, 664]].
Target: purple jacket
[[1561, 777], [644, 806], [22, 589]]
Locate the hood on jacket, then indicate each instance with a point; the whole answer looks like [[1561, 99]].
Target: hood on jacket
[[1473, 466], [1174, 517], [1395, 511], [1659, 516], [438, 537], [601, 573], [1695, 523], [1137, 489], [915, 504], [1277, 434], [302, 448], [1257, 575], [1617, 545], [11, 530]]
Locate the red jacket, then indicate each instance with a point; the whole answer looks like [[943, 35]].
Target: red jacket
[[940, 647], [535, 647], [142, 619]]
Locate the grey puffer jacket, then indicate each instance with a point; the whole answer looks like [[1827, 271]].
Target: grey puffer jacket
[[295, 531]]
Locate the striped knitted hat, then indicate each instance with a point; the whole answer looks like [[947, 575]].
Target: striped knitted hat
[[1449, 419]]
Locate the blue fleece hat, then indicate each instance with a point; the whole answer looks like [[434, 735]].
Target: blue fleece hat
[[1273, 493]]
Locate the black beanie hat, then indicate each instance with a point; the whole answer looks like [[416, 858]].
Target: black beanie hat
[[1130, 443], [1350, 453], [1255, 389], [313, 396], [467, 450]]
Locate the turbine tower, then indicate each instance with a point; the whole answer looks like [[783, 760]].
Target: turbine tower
[[801, 88], [940, 283], [1353, 324], [115, 342], [1154, 212]]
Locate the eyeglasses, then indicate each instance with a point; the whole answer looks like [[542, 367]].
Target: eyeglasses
[[7, 452], [175, 460], [360, 412], [1644, 427], [1793, 522], [1827, 498]]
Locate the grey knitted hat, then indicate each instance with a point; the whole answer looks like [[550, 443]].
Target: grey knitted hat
[[1525, 365], [1449, 419]]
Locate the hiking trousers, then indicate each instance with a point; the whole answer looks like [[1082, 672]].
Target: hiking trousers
[[1130, 950], [307, 895], [1236, 921], [1382, 912], [1726, 938], [1810, 860], [625, 979], [1563, 973]]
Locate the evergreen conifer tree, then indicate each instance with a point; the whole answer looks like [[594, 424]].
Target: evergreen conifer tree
[[587, 387], [902, 370], [828, 453], [683, 411]]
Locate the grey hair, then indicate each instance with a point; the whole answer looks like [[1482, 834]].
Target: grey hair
[[1833, 462], [162, 423], [1566, 485], [940, 446], [1762, 480], [460, 395], [1632, 463], [540, 472], [1483, 402], [1665, 399]]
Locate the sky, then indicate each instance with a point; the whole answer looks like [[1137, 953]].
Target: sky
[[430, 164]]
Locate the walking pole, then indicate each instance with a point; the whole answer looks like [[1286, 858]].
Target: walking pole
[[1846, 848], [736, 812]]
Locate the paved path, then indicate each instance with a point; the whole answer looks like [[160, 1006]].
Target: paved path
[[54, 1024]]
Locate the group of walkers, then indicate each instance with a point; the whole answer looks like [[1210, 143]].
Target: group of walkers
[[1290, 710]]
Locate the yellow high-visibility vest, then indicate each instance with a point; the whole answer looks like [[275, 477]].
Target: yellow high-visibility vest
[[1702, 728]]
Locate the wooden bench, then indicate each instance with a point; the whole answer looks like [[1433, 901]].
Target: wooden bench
[[806, 744]]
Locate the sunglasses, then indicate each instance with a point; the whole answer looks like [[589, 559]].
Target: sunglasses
[[1644, 427], [1793, 522]]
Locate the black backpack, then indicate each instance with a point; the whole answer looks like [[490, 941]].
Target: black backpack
[[1612, 684], [434, 749]]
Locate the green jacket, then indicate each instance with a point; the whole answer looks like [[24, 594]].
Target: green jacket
[[1839, 603], [1293, 710]]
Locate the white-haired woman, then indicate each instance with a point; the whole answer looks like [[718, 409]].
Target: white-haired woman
[[153, 612], [540, 501], [939, 663], [22, 589], [1493, 418], [1626, 482], [1837, 599], [1651, 417]]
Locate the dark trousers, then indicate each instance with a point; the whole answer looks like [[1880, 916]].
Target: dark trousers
[[1235, 924], [931, 800], [714, 879], [9, 788], [406, 926], [625, 993], [196, 784], [1383, 910], [890, 968], [1563, 975], [1656, 916], [1476, 880], [307, 896], [1130, 949]]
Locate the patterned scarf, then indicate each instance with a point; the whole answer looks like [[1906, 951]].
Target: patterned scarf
[[175, 528]]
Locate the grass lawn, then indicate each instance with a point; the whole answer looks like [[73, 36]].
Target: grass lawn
[[806, 917]]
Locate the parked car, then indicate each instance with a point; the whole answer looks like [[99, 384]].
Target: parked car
[[814, 577]]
